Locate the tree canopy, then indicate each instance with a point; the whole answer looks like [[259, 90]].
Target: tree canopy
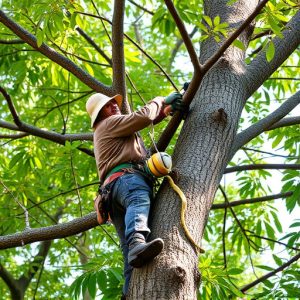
[[53, 55]]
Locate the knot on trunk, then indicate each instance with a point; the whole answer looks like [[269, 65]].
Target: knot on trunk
[[220, 116], [179, 274]]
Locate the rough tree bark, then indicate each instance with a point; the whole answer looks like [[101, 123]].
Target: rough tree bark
[[200, 156]]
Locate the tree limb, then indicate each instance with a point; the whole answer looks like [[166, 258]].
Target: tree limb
[[51, 136], [8, 279], [13, 136], [264, 124], [142, 7], [118, 59], [177, 46], [185, 37], [91, 42], [54, 56], [270, 274], [271, 240], [289, 121], [260, 69], [250, 201], [262, 167], [58, 231], [11, 42]]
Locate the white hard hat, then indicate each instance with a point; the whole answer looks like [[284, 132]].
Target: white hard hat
[[96, 102]]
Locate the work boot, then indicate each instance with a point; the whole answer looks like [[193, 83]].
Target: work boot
[[140, 252]]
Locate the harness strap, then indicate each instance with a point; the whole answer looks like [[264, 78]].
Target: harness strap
[[118, 168], [112, 177]]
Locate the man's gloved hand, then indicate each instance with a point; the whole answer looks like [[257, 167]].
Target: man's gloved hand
[[173, 97], [175, 100]]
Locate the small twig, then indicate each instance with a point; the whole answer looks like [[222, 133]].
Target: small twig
[[11, 107], [76, 183], [262, 167], [271, 240], [264, 152], [270, 274], [223, 238], [250, 242], [251, 201], [142, 7], [27, 224], [185, 36]]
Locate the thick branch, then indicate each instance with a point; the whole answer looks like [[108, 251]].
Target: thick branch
[[54, 56], [8, 279], [260, 69], [250, 201], [91, 42], [264, 124], [48, 135], [289, 121], [118, 60], [270, 274], [51, 136], [49, 233], [262, 167], [185, 36], [178, 45]]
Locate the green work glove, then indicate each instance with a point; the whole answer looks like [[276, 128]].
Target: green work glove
[[173, 97], [178, 105]]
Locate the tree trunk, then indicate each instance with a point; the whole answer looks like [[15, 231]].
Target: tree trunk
[[200, 156]]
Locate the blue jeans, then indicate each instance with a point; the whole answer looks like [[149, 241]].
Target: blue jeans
[[129, 210]]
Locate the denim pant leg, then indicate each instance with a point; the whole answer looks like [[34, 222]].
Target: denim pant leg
[[131, 195], [117, 214]]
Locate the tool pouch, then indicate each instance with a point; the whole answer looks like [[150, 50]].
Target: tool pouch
[[101, 205]]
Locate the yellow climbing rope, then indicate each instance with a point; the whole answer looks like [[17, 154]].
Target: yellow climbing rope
[[182, 213]]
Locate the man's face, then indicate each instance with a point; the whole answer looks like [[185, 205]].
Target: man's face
[[109, 109]]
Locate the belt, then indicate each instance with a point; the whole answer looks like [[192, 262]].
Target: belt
[[112, 177]]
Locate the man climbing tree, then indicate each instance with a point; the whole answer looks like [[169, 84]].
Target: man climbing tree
[[126, 188]]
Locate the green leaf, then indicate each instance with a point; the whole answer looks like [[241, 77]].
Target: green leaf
[[277, 260], [235, 271], [39, 37], [92, 285], [238, 44], [208, 21], [292, 200], [270, 52], [264, 267]]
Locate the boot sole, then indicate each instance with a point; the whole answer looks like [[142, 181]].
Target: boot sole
[[142, 258]]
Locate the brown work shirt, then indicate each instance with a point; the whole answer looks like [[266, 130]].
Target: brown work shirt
[[116, 140]]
